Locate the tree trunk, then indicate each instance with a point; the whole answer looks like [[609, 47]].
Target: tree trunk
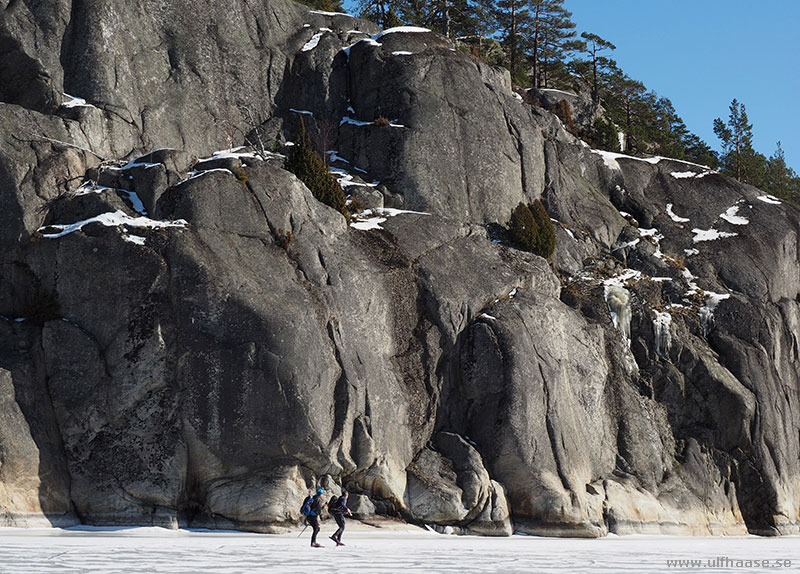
[[445, 8], [595, 91], [536, 69], [513, 36]]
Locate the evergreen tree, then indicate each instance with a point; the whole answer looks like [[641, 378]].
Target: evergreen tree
[[597, 63], [552, 37], [444, 16], [626, 106], [781, 180], [546, 233], [531, 229], [739, 159], [414, 12], [478, 19], [392, 20], [698, 151], [522, 227], [666, 129], [514, 23], [470, 18], [309, 167], [378, 11], [604, 135]]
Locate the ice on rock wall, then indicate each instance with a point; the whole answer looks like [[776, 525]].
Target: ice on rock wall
[[618, 300], [661, 333]]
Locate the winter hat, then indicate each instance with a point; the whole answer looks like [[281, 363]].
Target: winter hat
[[320, 491]]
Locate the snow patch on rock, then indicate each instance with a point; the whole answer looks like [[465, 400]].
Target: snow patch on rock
[[312, 43], [75, 102], [321, 12], [710, 234], [675, 218], [110, 219], [401, 30], [372, 218], [731, 217]]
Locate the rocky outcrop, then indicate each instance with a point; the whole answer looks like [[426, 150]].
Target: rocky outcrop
[[194, 339], [459, 144], [576, 111]]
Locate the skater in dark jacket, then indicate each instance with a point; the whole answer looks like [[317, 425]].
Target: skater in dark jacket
[[313, 518], [339, 510]]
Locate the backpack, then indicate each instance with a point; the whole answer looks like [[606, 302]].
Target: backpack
[[305, 509], [333, 503]]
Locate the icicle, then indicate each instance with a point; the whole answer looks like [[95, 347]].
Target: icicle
[[662, 333], [618, 300], [706, 312]]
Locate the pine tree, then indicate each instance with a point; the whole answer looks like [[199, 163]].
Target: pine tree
[[552, 35], [414, 12], [444, 16], [781, 180], [739, 159], [469, 18], [604, 135], [309, 167], [478, 19], [392, 20], [626, 106], [513, 21], [378, 11], [666, 129], [698, 151], [598, 63]]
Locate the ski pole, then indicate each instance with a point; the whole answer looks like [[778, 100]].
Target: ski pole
[[303, 530]]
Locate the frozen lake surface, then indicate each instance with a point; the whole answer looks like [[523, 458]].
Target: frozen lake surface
[[155, 550]]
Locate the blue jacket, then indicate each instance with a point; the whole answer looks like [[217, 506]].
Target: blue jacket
[[316, 505]]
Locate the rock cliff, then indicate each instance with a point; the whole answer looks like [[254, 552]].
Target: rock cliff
[[199, 343]]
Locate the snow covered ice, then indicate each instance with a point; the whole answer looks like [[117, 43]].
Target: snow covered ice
[[146, 550]]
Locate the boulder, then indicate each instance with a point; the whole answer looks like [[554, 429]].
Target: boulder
[[451, 487]]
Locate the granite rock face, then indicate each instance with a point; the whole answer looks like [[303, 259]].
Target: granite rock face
[[188, 338]]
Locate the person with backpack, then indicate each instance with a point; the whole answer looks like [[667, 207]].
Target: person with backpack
[[337, 507], [312, 509]]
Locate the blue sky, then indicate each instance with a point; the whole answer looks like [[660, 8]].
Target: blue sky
[[703, 53]]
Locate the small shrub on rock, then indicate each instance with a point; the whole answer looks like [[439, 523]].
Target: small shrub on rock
[[304, 162], [532, 230], [240, 174], [356, 205], [522, 227], [283, 238], [564, 112], [546, 232]]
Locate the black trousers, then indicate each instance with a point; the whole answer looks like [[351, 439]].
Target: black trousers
[[339, 518], [313, 522]]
